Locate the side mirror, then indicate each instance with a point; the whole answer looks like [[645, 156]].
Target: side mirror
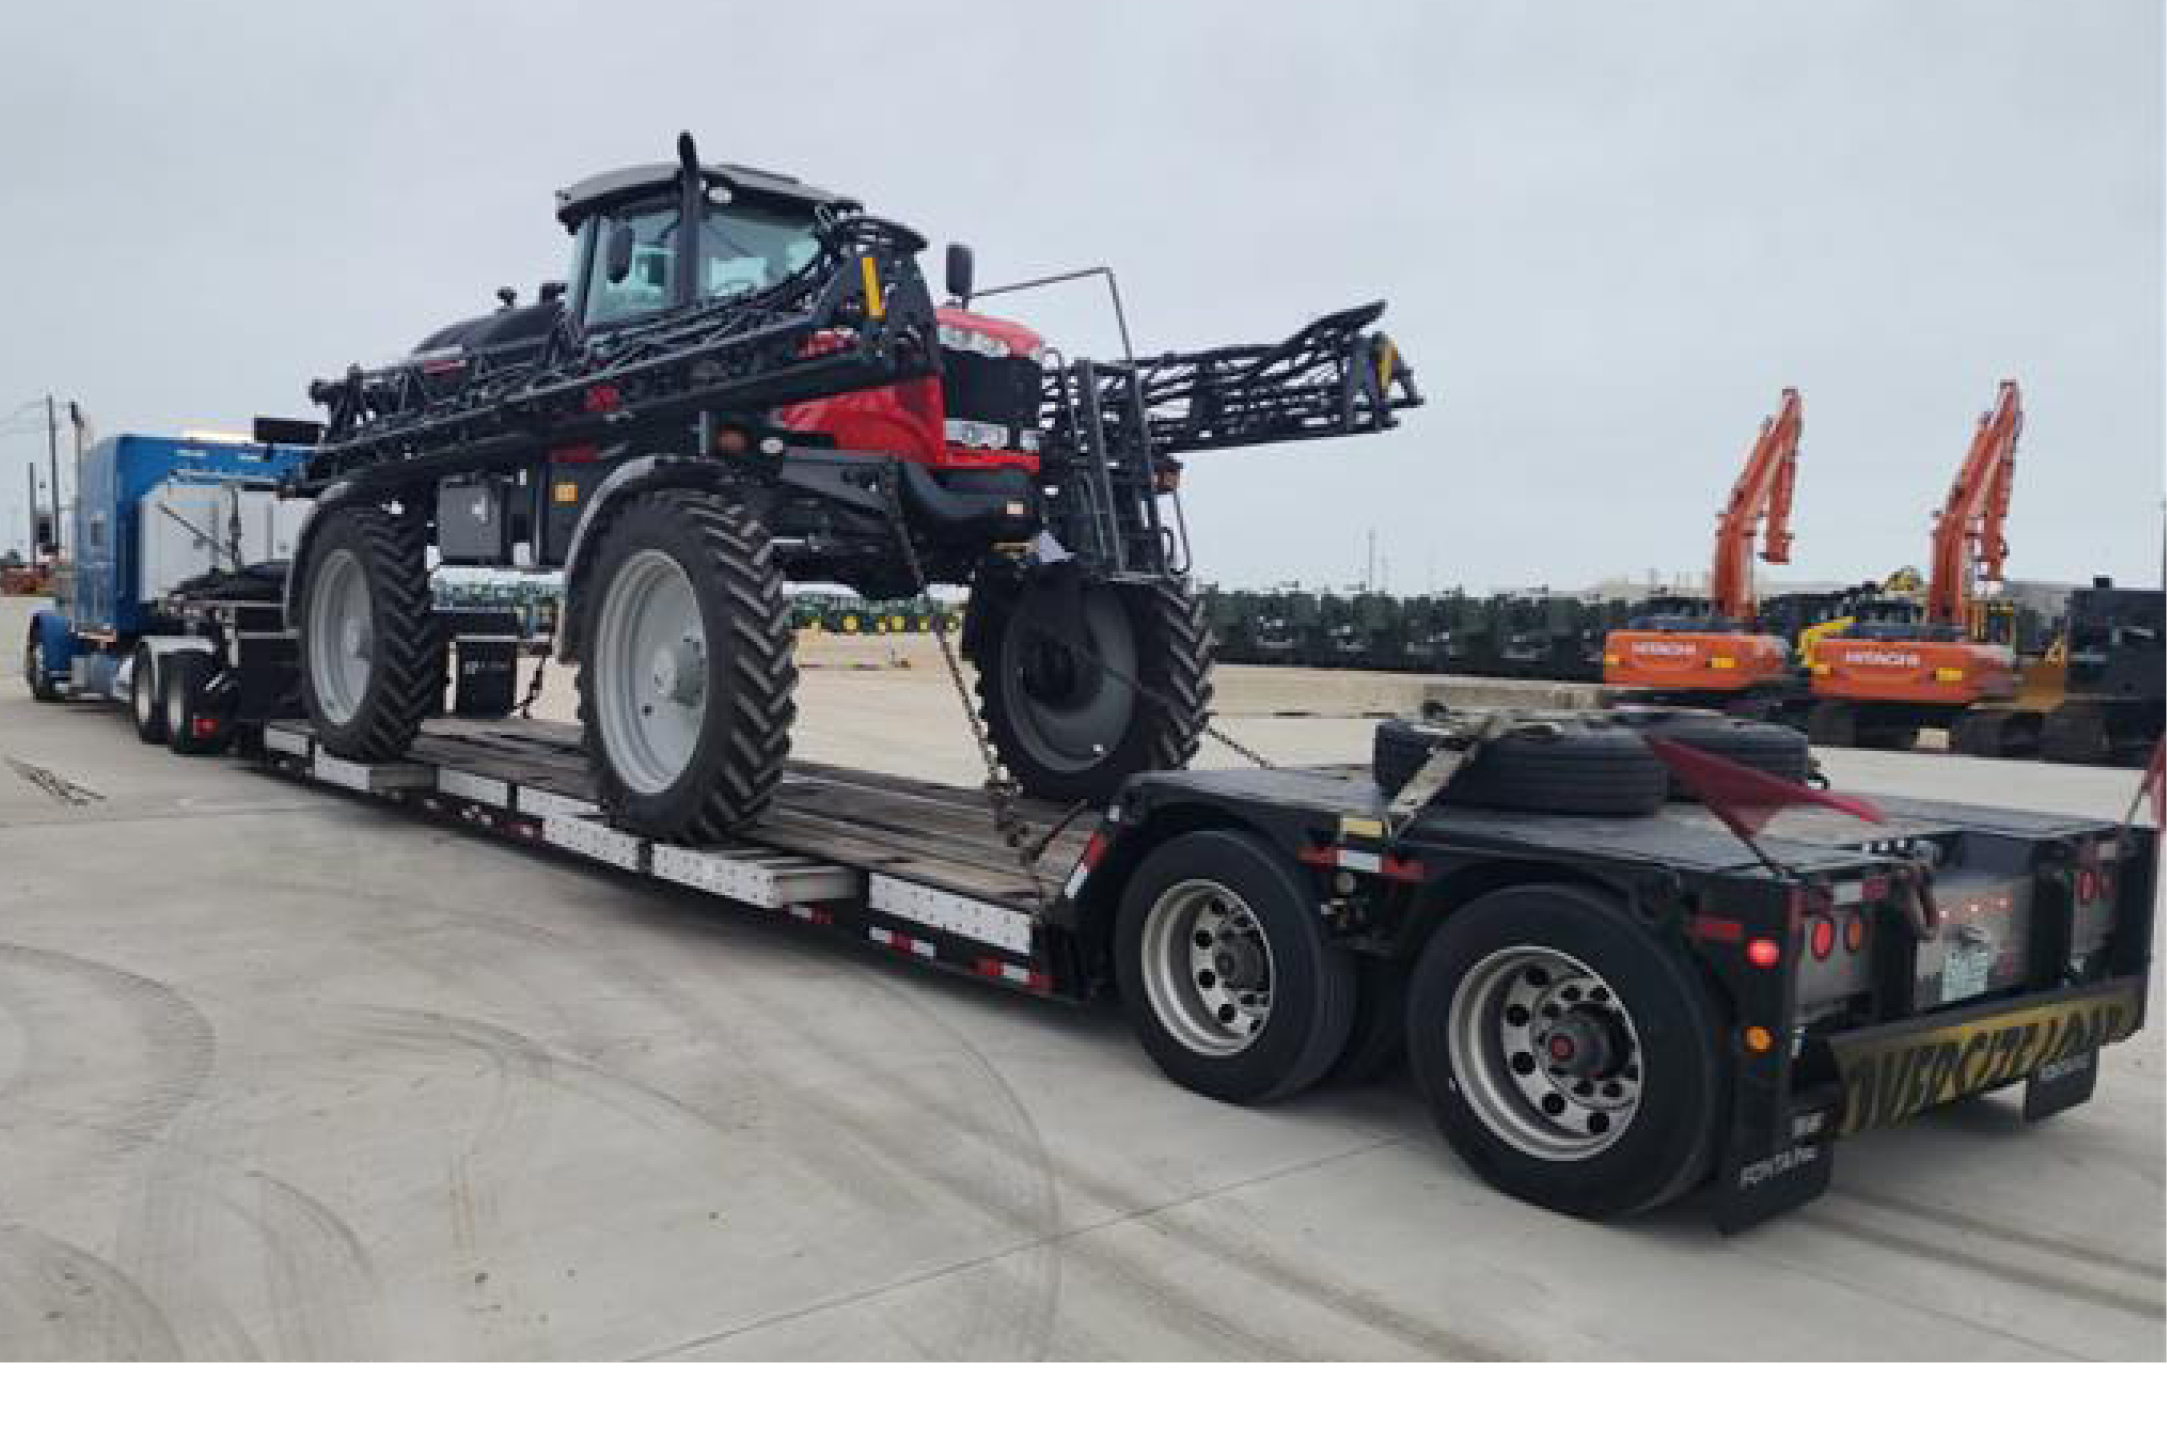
[[959, 273], [619, 255], [551, 292]]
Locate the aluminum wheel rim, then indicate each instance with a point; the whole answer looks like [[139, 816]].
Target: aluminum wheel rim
[[651, 672], [141, 696], [1075, 732], [341, 636], [1513, 1014], [1207, 968]]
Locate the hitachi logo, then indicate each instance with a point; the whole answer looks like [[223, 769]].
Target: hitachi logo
[[1881, 658], [1662, 648]]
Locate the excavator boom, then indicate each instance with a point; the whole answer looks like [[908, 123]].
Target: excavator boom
[[1760, 503], [1968, 526]]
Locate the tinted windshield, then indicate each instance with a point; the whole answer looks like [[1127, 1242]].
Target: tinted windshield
[[744, 250]]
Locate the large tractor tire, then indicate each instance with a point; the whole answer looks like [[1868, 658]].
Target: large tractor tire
[[1082, 692], [372, 657], [686, 668], [1572, 766]]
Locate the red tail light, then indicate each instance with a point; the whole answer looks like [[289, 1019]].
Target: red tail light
[[1822, 937], [1763, 953]]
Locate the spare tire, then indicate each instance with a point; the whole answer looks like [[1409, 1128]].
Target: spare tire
[[1762, 745], [1567, 766]]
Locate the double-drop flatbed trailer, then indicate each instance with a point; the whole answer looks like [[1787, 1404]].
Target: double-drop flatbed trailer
[[1603, 1014]]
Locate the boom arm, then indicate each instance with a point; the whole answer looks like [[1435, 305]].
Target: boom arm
[[858, 316], [1759, 502], [1968, 526]]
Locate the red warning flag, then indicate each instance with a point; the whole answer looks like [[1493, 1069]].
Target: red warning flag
[[1742, 798]]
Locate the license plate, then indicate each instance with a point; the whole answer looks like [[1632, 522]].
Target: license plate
[[1895, 1071]]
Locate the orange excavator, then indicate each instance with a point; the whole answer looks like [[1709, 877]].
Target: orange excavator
[[1913, 663], [1690, 651]]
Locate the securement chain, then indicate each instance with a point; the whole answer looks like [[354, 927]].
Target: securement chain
[[1000, 788]]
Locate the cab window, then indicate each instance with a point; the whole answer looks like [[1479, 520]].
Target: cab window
[[743, 250], [645, 287]]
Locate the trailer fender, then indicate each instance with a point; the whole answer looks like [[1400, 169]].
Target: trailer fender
[[635, 477]]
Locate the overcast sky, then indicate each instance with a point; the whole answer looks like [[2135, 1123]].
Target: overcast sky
[[1609, 232]]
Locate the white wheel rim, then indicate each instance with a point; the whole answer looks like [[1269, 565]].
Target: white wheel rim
[[651, 672], [1545, 1053], [1207, 968], [341, 636]]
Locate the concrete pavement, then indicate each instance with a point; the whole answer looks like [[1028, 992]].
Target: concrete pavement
[[285, 1075]]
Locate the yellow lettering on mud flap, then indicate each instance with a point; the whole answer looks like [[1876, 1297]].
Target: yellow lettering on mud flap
[[1888, 1079]]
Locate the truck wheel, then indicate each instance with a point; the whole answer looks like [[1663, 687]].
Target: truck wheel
[[145, 703], [1567, 1058], [193, 726], [41, 685], [1377, 1041], [686, 670], [372, 663], [1230, 983], [1058, 682], [1576, 766]]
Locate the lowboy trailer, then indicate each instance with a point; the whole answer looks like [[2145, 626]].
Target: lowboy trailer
[[1604, 1014]]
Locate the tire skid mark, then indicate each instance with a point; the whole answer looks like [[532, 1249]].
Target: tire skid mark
[[84, 1306], [1009, 1181], [2090, 1256], [43, 1112], [318, 1279], [1949, 1254], [495, 1155], [1255, 1262], [1165, 1301]]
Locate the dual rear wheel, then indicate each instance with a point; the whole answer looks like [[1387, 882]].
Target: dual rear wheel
[[1567, 1058]]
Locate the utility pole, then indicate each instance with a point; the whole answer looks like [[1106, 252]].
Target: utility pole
[[31, 550]]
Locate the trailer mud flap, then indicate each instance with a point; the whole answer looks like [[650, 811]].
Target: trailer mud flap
[[1752, 1187], [1893, 1072]]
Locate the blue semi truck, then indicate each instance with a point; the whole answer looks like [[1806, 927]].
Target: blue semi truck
[[170, 596]]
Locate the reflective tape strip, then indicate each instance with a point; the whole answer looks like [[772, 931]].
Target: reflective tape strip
[[1014, 975], [897, 941]]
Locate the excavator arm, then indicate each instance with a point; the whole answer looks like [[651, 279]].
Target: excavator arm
[[1968, 527], [1760, 503]]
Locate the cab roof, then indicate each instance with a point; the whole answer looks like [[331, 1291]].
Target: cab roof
[[612, 188]]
